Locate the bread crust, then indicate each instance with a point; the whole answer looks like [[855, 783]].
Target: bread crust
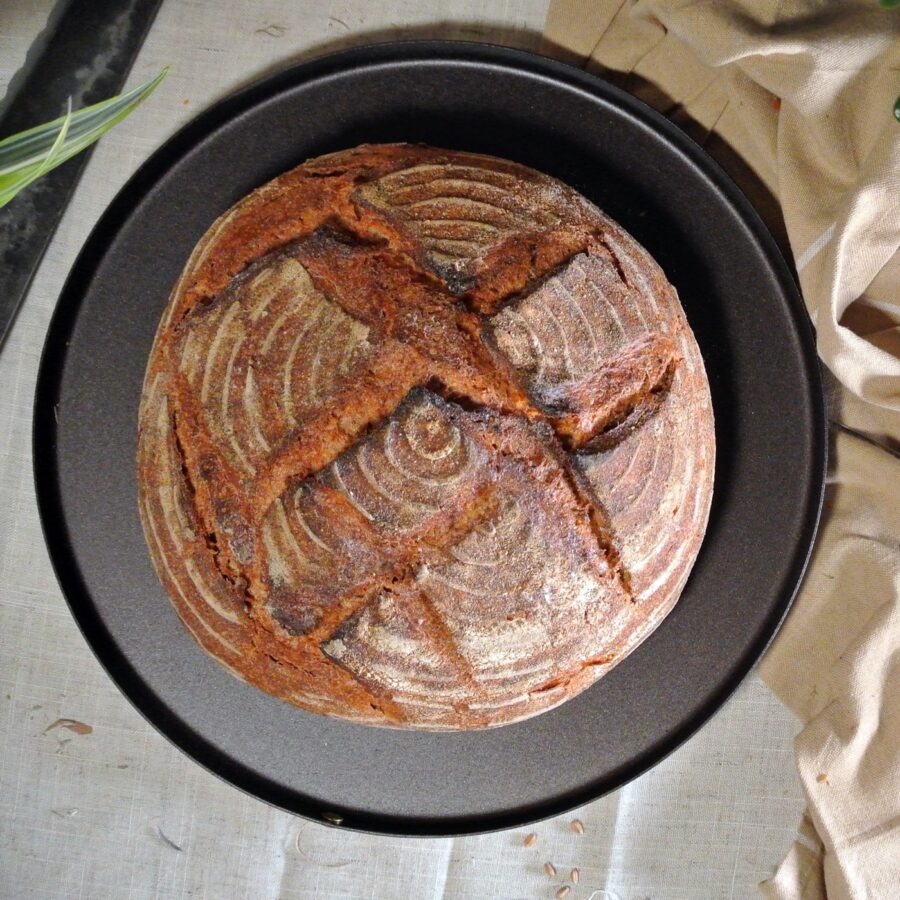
[[425, 440]]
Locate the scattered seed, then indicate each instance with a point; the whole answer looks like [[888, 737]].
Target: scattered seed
[[822, 778], [530, 839], [576, 826], [563, 892], [550, 869], [71, 724], [574, 875]]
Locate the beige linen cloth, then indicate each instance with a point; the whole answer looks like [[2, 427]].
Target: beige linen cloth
[[794, 98]]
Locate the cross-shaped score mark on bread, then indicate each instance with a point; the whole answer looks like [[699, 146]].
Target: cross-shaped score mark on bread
[[419, 335]]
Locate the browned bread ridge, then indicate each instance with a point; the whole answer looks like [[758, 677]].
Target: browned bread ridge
[[425, 440]]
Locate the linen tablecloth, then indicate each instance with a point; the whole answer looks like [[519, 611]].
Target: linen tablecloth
[[119, 812]]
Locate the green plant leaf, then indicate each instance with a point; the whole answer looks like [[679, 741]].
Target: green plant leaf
[[54, 154], [26, 156]]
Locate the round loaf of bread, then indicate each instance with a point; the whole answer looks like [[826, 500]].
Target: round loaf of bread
[[425, 440]]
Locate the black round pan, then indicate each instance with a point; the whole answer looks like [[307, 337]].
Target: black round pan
[[740, 300]]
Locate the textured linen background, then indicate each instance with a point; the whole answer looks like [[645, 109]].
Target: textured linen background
[[79, 814], [800, 93]]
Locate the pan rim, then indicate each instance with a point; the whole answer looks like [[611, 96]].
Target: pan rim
[[52, 365]]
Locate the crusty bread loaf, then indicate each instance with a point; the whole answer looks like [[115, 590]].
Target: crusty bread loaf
[[425, 440]]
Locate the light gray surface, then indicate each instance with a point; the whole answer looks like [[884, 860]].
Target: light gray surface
[[79, 813]]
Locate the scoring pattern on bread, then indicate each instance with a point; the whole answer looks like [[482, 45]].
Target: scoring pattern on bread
[[425, 440]]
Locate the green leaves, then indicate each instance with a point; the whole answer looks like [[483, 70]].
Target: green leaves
[[26, 156]]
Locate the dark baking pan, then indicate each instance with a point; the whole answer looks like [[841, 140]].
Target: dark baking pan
[[739, 297]]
